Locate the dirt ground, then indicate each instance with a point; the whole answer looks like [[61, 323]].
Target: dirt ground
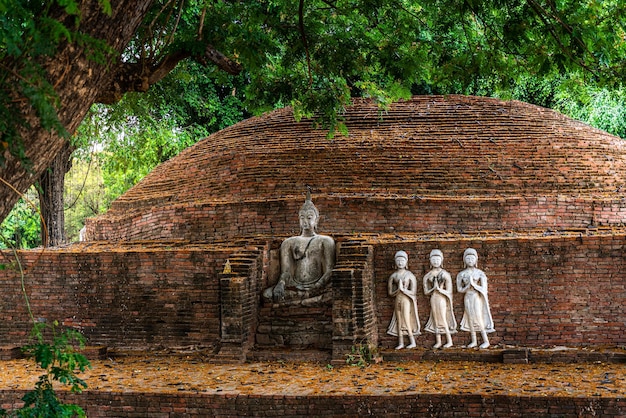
[[189, 373]]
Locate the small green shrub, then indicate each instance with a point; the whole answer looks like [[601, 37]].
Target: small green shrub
[[362, 355], [61, 363]]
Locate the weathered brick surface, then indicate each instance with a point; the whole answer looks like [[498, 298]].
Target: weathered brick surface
[[133, 297], [239, 291], [298, 327], [366, 214], [132, 404], [438, 164], [354, 317], [543, 291]]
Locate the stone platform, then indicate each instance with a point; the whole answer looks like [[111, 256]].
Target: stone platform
[[295, 327], [504, 355], [189, 386]]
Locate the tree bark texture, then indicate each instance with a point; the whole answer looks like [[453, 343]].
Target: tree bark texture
[[51, 202], [78, 81]]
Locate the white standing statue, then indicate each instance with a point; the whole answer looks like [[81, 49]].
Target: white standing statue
[[473, 282], [403, 286], [438, 284]]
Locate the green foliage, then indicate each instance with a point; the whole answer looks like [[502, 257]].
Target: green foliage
[[320, 56], [539, 91], [602, 108], [362, 355], [317, 55], [22, 228], [85, 195], [144, 130], [60, 363]]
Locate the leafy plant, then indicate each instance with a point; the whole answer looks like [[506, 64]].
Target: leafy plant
[[362, 355], [602, 108], [22, 228], [60, 363]]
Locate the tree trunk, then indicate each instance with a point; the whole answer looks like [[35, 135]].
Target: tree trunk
[[51, 199], [78, 81]]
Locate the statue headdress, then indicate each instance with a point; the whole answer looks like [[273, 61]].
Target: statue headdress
[[308, 204], [436, 252], [470, 251], [401, 254]]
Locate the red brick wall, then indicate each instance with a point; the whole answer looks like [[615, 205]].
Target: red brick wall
[[354, 301], [170, 405], [545, 291], [239, 301], [346, 215], [131, 298]]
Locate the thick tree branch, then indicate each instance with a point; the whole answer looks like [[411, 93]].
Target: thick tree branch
[[222, 61], [165, 66], [138, 77]]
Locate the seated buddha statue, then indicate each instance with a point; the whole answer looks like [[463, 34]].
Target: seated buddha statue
[[306, 261]]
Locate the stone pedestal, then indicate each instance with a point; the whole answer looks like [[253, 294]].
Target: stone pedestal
[[296, 327]]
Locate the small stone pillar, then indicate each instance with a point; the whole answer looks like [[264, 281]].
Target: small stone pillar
[[354, 319], [234, 332], [238, 307]]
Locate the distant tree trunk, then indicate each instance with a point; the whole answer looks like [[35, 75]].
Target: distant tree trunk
[[78, 80], [51, 199]]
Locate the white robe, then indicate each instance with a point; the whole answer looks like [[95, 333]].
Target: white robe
[[400, 300], [476, 315], [441, 310]]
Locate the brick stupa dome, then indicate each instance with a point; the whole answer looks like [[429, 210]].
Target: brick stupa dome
[[432, 164]]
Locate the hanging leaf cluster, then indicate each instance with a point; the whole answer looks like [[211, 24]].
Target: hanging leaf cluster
[[318, 54]]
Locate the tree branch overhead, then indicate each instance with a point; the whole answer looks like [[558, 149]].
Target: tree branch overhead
[[138, 77]]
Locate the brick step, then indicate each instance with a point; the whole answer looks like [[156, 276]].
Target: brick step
[[10, 353], [517, 355], [291, 355]]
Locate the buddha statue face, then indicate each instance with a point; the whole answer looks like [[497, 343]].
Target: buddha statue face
[[308, 220], [401, 262], [308, 215], [436, 261], [470, 257]]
